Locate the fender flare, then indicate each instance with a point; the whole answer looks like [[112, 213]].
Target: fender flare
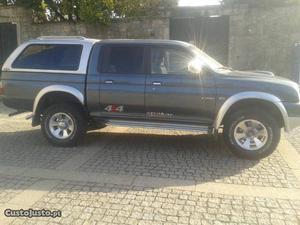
[[57, 88], [251, 95]]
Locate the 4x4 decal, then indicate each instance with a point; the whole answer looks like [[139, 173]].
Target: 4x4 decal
[[114, 108]]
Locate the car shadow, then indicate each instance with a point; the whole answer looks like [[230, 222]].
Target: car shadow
[[197, 157], [182, 157]]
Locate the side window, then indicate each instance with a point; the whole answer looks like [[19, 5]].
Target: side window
[[169, 61], [123, 60], [49, 57]]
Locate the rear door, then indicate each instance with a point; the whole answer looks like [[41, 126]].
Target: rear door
[[174, 94], [122, 81]]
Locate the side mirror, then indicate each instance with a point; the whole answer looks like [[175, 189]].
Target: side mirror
[[195, 66]]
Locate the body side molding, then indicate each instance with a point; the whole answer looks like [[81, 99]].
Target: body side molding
[[57, 88], [251, 95]]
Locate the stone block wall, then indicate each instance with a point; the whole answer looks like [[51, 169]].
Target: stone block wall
[[259, 38], [264, 39]]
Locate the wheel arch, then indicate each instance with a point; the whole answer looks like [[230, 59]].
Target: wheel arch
[[256, 99], [55, 94]]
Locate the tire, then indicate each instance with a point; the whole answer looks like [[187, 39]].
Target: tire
[[74, 123], [256, 143]]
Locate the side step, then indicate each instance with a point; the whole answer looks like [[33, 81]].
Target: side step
[[156, 125]]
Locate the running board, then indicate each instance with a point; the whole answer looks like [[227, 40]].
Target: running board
[[156, 125]]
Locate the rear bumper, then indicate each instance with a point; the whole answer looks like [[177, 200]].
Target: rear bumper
[[17, 104]]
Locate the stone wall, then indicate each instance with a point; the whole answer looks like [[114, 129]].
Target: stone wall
[[259, 38], [264, 39], [129, 28]]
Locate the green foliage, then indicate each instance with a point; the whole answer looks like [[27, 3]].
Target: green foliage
[[94, 11], [7, 2], [133, 8], [91, 11]]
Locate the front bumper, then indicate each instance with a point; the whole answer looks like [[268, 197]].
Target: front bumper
[[293, 112]]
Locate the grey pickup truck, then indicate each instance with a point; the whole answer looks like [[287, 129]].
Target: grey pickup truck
[[75, 84]]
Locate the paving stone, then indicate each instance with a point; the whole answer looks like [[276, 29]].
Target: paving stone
[[10, 186], [186, 156], [155, 214]]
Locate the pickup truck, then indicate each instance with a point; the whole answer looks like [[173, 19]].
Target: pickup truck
[[76, 84]]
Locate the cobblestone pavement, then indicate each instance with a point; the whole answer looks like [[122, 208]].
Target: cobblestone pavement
[[10, 186], [137, 176], [191, 157], [133, 205]]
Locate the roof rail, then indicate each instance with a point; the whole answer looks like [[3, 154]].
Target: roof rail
[[61, 38]]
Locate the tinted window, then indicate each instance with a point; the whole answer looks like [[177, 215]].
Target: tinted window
[[169, 61], [49, 57], [123, 60]]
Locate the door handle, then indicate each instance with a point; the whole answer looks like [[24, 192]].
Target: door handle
[[157, 83], [108, 82]]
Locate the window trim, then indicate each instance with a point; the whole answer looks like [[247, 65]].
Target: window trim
[[178, 48], [104, 48], [47, 44]]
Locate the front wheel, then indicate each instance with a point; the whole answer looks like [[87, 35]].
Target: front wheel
[[63, 125], [252, 134]]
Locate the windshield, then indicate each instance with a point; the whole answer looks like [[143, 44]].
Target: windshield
[[206, 59]]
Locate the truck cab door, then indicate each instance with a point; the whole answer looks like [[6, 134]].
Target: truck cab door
[[121, 82], [174, 94]]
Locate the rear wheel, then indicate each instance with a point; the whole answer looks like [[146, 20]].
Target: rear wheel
[[63, 125], [252, 134]]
